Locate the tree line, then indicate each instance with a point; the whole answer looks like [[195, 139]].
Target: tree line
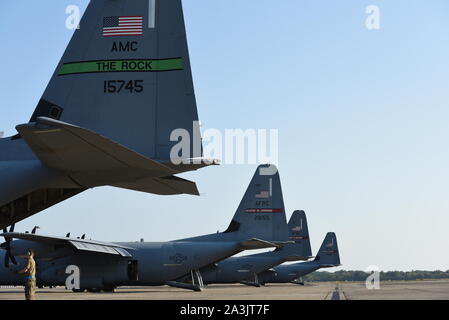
[[344, 275]]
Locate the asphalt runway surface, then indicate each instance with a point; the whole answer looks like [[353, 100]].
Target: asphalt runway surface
[[410, 290]]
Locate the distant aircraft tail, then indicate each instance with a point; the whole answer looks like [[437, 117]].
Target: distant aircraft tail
[[299, 233], [261, 213], [126, 75], [328, 255]]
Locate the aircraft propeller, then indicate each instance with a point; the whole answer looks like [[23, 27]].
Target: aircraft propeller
[[7, 247]]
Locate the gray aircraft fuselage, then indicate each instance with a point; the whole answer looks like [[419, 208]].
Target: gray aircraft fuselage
[[21, 171], [168, 261], [246, 268], [237, 269], [157, 263], [289, 273]]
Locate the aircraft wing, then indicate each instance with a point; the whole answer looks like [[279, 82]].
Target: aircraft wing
[[77, 244]]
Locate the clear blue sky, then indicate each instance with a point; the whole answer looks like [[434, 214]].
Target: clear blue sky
[[362, 116]]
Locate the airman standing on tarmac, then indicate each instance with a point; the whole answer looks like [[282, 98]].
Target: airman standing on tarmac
[[30, 272]]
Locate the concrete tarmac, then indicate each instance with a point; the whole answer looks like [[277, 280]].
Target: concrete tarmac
[[311, 291], [398, 290]]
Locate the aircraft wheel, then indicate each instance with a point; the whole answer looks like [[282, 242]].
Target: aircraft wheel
[[93, 290], [78, 290], [109, 289]]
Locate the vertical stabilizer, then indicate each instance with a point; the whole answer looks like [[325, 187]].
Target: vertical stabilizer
[[328, 255], [126, 75], [299, 232], [261, 213]]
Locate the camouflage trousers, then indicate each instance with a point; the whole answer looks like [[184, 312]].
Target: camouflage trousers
[[30, 290]]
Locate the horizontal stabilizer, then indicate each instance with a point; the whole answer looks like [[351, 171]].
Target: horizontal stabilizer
[[255, 244], [298, 257], [330, 265], [78, 244], [162, 186], [80, 151]]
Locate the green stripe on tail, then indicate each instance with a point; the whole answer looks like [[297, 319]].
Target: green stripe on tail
[[101, 66]]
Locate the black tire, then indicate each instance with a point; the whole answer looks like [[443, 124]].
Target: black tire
[[109, 289], [78, 290]]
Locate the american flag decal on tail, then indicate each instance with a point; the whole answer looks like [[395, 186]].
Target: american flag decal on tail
[[122, 26], [262, 195]]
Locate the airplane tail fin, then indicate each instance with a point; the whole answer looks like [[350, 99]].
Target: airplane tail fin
[[126, 76], [299, 233], [259, 221], [261, 213], [328, 255]]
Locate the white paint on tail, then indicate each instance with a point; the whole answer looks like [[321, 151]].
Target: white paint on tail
[[152, 14]]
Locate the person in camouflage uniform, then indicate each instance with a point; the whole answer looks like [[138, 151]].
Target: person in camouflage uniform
[[30, 272]]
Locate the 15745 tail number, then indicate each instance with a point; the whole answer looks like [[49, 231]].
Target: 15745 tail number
[[118, 86]]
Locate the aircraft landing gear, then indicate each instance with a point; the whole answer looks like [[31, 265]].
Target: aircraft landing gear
[[254, 283], [195, 283]]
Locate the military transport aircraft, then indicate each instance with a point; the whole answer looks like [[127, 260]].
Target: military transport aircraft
[[258, 223], [328, 257], [120, 99], [246, 268]]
